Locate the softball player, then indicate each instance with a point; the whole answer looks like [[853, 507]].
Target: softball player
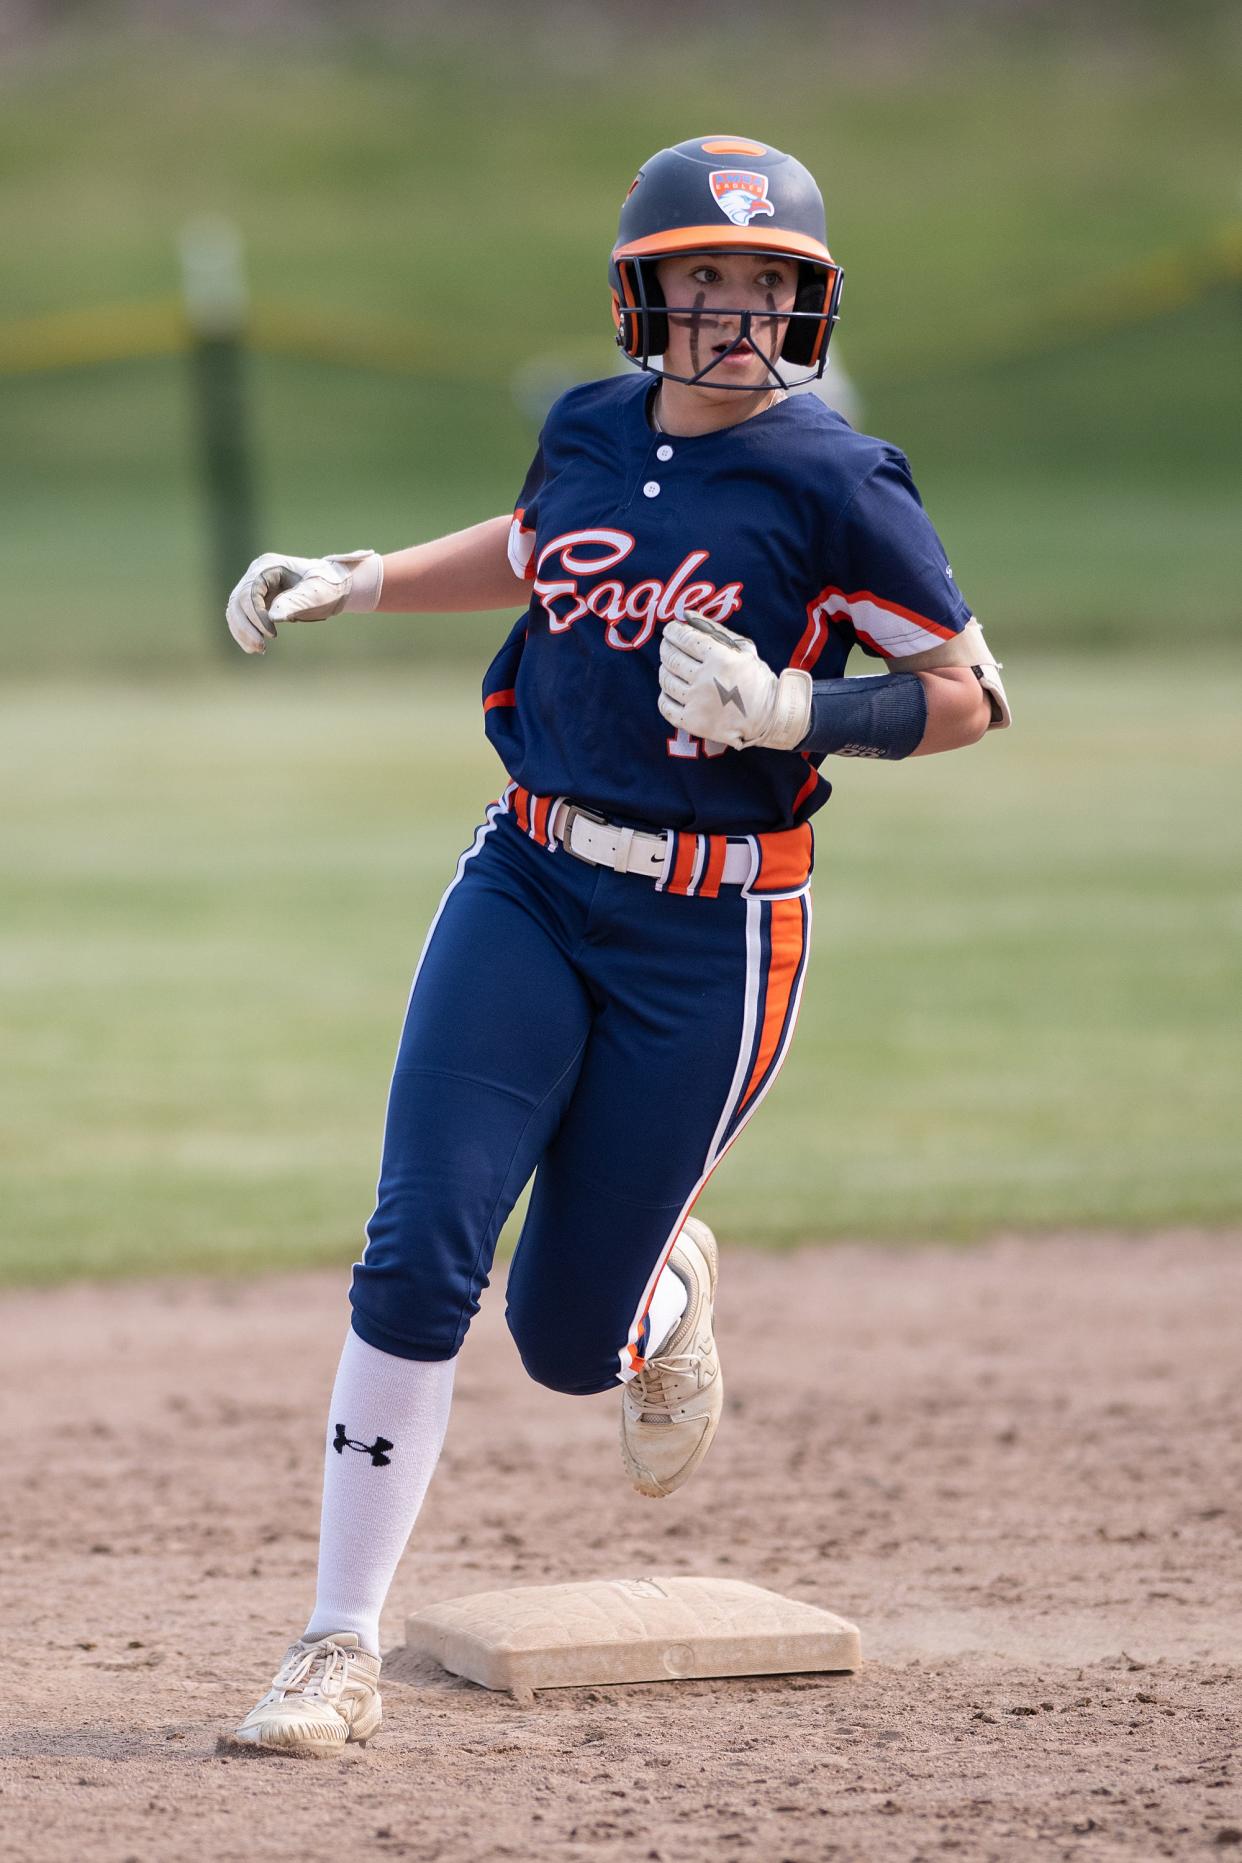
[[611, 982]]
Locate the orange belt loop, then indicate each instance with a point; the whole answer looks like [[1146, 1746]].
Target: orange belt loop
[[718, 847], [539, 819], [685, 862]]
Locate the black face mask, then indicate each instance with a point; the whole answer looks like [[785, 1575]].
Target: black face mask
[[643, 327]]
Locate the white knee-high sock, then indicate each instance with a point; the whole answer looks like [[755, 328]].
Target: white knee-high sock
[[385, 1430], [668, 1304]]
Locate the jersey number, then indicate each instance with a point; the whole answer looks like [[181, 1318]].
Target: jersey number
[[681, 744]]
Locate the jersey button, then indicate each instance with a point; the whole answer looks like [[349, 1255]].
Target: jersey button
[[664, 452], [651, 489]]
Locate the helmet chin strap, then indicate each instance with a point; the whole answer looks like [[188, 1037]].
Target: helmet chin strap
[[775, 378]]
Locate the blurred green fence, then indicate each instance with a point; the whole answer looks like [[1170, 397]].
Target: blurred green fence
[[1167, 282], [1042, 307], [371, 430]]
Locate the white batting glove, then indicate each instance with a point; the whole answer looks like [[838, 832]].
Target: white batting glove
[[301, 588], [714, 685]]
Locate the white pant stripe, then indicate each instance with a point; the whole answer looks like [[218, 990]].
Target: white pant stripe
[[754, 949]]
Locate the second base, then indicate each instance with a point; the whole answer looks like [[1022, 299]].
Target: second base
[[629, 1630]]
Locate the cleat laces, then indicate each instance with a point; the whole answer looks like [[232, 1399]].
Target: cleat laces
[[316, 1671], [658, 1401]]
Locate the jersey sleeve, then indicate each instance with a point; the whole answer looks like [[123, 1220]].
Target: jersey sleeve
[[525, 517], [896, 592]]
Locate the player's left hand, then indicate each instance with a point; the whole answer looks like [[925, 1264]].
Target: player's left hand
[[714, 685]]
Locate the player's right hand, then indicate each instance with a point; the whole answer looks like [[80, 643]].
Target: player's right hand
[[293, 588]]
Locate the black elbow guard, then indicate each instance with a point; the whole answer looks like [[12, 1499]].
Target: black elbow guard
[[883, 717]]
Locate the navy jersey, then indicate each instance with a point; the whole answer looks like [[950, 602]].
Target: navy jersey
[[789, 527]]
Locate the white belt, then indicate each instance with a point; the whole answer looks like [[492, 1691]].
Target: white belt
[[631, 850]]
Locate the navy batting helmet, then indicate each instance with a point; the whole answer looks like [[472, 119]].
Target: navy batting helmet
[[717, 194]]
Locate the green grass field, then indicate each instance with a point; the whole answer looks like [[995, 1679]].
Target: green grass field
[[1022, 1010]]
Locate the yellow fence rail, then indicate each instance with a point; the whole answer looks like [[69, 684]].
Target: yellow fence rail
[[1159, 285], [1153, 288]]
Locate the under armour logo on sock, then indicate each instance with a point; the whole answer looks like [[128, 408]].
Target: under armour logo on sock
[[729, 695], [376, 1450]]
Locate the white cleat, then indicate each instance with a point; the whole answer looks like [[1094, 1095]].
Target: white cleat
[[670, 1409], [325, 1694]]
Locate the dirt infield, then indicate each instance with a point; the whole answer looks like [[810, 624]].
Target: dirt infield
[[1016, 1468]]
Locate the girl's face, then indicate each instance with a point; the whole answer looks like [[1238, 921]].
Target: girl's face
[[698, 287]]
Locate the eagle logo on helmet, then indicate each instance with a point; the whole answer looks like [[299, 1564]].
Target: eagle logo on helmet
[[740, 194]]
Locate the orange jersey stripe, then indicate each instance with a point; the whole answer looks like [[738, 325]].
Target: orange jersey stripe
[[787, 942], [889, 608], [806, 789], [806, 652], [815, 634], [521, 808]]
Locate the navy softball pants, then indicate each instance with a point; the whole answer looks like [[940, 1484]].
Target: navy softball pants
[[610, 1039]]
